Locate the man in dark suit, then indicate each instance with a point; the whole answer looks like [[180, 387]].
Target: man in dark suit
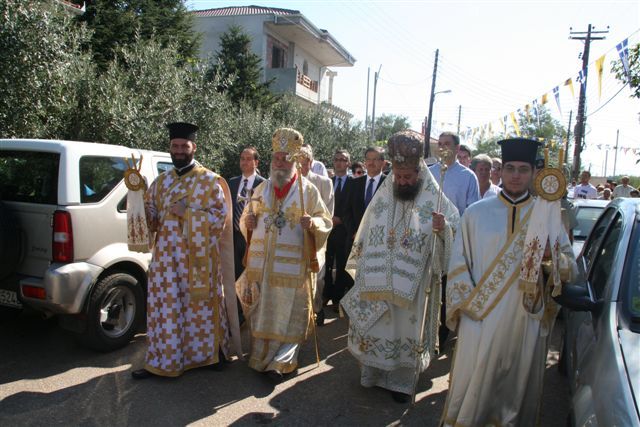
[[362, 190], [336, 244], [239, 187]]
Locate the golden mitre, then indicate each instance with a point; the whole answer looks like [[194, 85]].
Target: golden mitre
[[286, 140]]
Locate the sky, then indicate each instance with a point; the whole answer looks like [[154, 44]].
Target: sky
[[495, 57]]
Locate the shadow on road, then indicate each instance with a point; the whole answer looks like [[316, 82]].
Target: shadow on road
[[48, 379]]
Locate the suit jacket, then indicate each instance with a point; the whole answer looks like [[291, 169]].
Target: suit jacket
[[234, 187], [354, 209], [340, 199]]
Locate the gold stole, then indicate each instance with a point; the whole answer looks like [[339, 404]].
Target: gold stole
[[196, 231], [503, 272]]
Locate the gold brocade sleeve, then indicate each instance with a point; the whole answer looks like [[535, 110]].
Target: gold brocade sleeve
[[460, 284]]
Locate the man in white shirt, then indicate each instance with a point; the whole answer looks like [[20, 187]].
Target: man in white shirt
[[624, 189], [481, 165], [585, 190]]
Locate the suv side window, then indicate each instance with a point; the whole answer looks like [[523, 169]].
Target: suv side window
[[29, 176], [595, 237], [605, 254], [98, 176], [164, 166]]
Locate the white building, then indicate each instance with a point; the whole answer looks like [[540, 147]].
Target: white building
[[294, 52]]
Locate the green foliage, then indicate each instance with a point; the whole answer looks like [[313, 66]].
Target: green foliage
[[541, 126], [240, 71], [634, 70], [116, 24], [40, 62], [143, 88], [388, 124], [488, 145]]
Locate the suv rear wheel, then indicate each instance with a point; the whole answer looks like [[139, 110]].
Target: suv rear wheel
[[115, 312]]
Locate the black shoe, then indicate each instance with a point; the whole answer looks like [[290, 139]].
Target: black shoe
[[400, 397], [221, 362], [275, 375], [141, 374], [320, 318]]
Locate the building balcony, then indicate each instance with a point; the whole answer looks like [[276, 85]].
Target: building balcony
[[291, 80]]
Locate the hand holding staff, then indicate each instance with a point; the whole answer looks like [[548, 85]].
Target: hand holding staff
[[437, 224]]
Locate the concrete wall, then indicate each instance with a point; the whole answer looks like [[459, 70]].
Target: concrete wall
[[212, 29]]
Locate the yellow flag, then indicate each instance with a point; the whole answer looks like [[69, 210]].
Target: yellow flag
[[515, 123], [599, 68], [569, 83], [544, 99]]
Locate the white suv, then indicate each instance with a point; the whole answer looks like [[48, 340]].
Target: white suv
[[63, 236]]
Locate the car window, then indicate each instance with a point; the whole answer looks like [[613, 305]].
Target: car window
[[598, 232], [586, 218], [164, 166], [631, 296], [29, 176], [98, 176], [603, 264]]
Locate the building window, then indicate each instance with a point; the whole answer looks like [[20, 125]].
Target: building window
[[277, 53]]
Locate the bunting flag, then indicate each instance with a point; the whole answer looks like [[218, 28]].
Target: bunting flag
[[582, 78], [515, 123], [544, 99], [569, 82], [556, 95], [526, 110], [535, 106], [503, 123], [599, 69], [623, 51]]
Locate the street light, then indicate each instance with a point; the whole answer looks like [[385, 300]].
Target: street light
[[427, 132]]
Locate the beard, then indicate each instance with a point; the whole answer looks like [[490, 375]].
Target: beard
[[280, 177], [183, 160], [407, 192]]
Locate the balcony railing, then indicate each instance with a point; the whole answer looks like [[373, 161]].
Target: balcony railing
[[306, 81]]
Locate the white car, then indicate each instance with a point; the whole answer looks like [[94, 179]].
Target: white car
[[64, 236], [587, 213]]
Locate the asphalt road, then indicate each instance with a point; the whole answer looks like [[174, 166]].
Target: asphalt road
[[46, 379]]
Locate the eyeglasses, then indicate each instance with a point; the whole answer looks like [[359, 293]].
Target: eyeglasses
[[358, 172], [340, 159]]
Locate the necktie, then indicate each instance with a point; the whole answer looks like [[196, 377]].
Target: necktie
[[369, 194], [339, 185], [241, 201]]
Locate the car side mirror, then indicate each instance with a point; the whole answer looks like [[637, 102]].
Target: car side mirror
[[576, 297]]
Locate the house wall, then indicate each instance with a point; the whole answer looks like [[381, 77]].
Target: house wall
[[212, 29]]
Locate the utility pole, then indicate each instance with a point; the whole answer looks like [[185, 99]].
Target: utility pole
[[373, 112], [615, 157], [566, 144], [587, 36], [459, 115], [427, 132], [366, 108]]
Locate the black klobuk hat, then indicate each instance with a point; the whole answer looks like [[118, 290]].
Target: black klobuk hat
[[519, 150], [182, 130]]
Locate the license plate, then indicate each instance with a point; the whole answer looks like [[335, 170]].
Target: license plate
[[9, 299]]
